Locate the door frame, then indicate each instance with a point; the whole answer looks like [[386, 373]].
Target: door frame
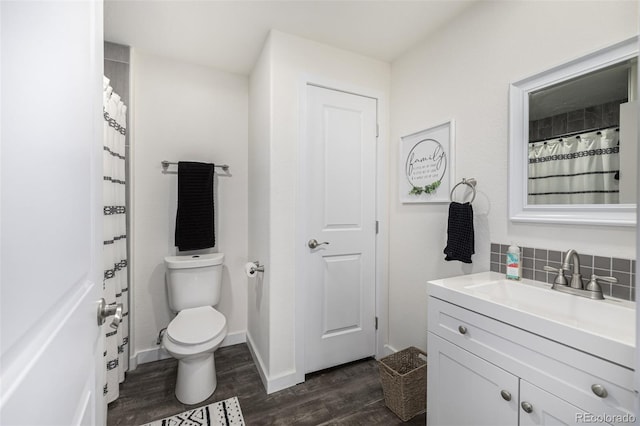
[[382, 216]]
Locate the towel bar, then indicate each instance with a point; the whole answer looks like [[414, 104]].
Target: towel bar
[[471, 183], [166, 164]]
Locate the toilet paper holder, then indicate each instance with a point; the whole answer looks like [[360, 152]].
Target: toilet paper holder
[[257, 267]]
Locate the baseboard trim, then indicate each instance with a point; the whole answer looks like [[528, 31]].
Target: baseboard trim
[[257, 360], [158, 354], [151, 355], [283, 381], [234, 339], [271, 384], [388, 350], [133, 363]]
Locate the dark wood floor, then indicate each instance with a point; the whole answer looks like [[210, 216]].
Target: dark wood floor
[[346, 395]]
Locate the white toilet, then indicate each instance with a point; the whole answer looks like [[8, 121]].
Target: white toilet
[[193, 287]]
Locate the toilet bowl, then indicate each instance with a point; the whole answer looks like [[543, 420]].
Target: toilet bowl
[[191, 338], [193, 284]]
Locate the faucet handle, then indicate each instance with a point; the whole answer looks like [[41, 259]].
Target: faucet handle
[[560, 279], [613, 280], [595, 288]]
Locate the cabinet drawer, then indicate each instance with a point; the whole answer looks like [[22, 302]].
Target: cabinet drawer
[[545, 408], [564, 371]]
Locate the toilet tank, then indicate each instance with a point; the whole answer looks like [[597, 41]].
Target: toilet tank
[[194, 281]]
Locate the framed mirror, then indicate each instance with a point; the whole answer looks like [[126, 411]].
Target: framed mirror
[[573, 136]]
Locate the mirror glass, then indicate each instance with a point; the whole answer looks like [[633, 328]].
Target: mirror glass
[[573, 140], [575, 152]]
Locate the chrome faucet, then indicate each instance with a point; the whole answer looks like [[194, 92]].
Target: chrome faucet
[[576, 276], [592, 289]]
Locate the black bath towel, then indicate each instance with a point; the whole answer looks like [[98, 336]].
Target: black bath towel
[[194, 220], [460, 239]]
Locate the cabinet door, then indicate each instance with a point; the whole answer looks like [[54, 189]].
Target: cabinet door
[[548, 409], [466, 390]]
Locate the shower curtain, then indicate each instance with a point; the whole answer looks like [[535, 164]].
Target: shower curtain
[[581, 169], [115, 282]]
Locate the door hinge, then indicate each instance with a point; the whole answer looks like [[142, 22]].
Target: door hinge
[[377, 227], [377, 130], [376, 323]]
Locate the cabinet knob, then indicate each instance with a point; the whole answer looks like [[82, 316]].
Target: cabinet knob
[[527, 407], [506, 395], [599, 390], [462, 329]]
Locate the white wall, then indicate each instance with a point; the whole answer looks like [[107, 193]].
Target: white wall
[[259, 207], [290, 59], [185, 112], [293, 59], [463, 72]]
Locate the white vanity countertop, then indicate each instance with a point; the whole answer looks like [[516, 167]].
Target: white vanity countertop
[[604, 328]]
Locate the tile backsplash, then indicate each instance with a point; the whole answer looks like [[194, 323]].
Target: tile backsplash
[[534, 259], [593, 117]]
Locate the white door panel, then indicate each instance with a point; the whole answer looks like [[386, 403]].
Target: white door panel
[[340, 180], [51, 345], [343, 170], [342, 310]]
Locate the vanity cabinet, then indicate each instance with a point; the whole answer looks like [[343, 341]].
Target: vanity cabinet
[[466, 390], [482, 371]]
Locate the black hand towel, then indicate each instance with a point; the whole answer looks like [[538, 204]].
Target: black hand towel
[[194, 220], [460, 239]]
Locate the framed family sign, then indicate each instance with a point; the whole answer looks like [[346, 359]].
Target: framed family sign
[[426, 165]]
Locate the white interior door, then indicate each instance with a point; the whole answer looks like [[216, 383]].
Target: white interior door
[[51, 166], [340, 187]]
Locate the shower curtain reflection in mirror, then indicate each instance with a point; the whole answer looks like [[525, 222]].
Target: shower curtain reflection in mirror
[[582, 169]]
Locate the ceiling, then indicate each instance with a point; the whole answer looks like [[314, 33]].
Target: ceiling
[[595, 88], [229, 35]]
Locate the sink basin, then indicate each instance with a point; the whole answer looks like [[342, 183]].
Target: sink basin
[[603, 327], [604, 318], [508, 291]]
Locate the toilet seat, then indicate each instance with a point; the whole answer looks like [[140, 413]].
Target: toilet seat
[[195, 326]]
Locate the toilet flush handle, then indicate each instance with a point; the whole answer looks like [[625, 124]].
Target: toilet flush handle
[[105, 311]]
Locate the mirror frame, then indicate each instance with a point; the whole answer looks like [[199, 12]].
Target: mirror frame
[[519, 209]]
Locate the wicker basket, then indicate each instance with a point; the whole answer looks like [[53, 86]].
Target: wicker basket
[[404, 382]]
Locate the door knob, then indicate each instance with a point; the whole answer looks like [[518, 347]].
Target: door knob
[[314, 243], [462, 329], [105, 311], [506, 395]]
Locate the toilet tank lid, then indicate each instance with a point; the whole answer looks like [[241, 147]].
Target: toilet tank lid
[[194, 261]]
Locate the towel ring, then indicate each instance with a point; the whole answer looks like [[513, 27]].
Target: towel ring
[[471, 183]]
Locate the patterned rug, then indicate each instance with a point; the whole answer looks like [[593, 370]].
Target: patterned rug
[[223, 413]]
